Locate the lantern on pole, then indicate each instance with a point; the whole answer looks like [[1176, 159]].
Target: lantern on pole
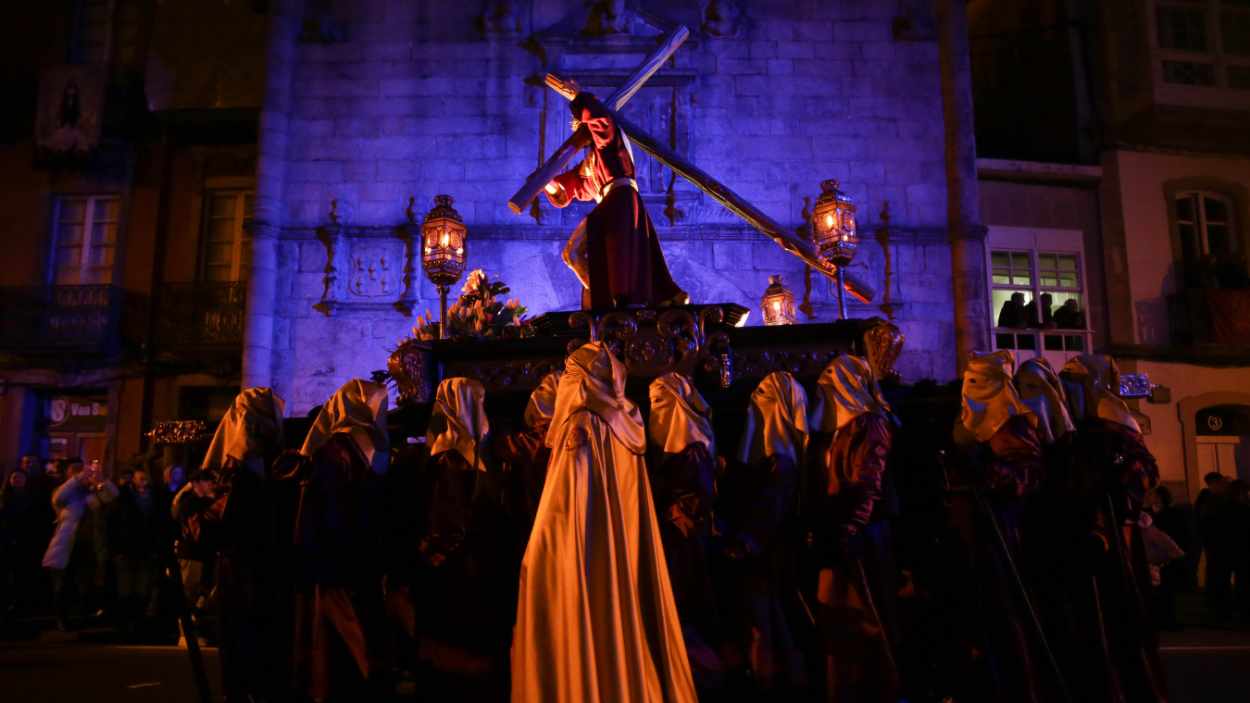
[[833, 232], [777, 303], [443, 236]]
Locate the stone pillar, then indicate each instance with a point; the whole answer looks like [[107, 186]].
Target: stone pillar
[[963, 213], [284, 25]]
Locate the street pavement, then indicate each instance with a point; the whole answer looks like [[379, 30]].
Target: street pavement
[[60, 668], [1203, 666]]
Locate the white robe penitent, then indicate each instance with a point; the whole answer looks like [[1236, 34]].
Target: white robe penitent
[[596, 620]]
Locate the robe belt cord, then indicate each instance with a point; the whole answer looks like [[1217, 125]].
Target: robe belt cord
[[613, 184]]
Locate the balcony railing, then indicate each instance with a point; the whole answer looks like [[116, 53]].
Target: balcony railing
[[1211, 317], [200, 316], [80, 319]]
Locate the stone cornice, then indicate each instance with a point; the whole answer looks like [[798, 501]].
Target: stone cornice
[[696, 233]]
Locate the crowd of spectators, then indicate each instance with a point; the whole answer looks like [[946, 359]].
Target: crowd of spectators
[[80, 549]]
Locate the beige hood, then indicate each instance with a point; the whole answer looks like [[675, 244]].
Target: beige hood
[[358, 408], [461, 403], [679, 415], [846, 389], [252, 426], [776, 420], [594, 381]]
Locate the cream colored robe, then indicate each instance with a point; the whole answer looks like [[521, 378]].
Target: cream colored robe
[[596, 619]]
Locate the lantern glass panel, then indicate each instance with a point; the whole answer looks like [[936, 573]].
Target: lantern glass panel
[[777, 304], [443, 236]]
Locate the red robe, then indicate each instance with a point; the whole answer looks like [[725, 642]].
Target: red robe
[[856, 584], [626, 263]]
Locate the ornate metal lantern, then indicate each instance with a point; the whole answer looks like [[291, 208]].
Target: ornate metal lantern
[[777, 303], [443, 236], [833, 230]]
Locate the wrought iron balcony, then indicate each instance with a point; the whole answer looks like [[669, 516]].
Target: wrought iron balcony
[[55, 319], [204, 315], [1213, 318]]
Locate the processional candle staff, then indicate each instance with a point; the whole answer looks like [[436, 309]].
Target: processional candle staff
[[777, 303], [443, 252], [833, 230]]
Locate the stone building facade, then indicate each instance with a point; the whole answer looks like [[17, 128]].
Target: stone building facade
[[268, 161], [1140, 173], [400, 101]]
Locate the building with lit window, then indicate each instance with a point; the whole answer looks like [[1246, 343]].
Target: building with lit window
[[1114, 155]]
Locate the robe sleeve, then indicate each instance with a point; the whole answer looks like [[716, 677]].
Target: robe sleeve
[[1016, 466], [1134, 469], [766, 498], [866, 471], [575, 184]]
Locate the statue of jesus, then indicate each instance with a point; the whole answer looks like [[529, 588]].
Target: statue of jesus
[[614, 251]]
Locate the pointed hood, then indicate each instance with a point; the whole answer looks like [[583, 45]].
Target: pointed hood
[[776, 420], [460, 419], [359, 409], [679, 415], [989, 397], [1040, 389], [252, 426], [594, 381], [1092, 384], [847, 388]]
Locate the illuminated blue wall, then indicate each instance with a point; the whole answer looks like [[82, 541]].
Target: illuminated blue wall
[[410, 102]]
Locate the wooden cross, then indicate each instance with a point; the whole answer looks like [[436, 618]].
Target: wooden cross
[[785, 238]]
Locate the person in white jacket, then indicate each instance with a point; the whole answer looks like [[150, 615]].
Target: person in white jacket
[[84, 491]]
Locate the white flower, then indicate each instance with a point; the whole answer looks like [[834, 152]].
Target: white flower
[[476, 276]]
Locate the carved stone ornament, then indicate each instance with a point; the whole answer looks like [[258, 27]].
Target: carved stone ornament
[[368, 269], [504, 375], [654, 342], [883, 342], [802, 363], [721, 18], [500, 19]]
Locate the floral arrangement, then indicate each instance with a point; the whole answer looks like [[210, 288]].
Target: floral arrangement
[[478, 314]]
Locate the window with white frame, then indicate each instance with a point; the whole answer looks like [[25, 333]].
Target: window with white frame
[[227, 244], [84, 242], [1037, 292], [1204, 43]]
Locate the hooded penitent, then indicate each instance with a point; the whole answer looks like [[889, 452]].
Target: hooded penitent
[[542, 403], [846, 389], [359, 409], [776, 420], [679, 415], [251, 427], [459, 420], [989, 397], [1091, 382], [594, 382], [596, 620], [1040, 389]]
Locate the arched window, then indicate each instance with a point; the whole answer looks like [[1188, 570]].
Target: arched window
[[1209, 242]]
